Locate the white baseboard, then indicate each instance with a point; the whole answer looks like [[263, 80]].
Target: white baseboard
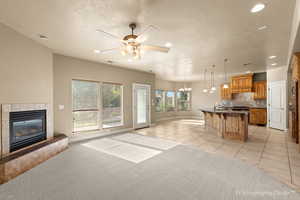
[[188, 117], [165, 119], [96, 134], [179, 117]]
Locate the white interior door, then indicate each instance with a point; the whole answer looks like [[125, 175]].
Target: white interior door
[[141, 105], [277, 105]]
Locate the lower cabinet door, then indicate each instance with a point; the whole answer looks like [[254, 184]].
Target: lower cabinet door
[[258, 116]]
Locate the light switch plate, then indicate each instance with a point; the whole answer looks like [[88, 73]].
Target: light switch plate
[[61, 107]]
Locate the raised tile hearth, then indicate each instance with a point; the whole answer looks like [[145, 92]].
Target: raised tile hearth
[[27, 158]]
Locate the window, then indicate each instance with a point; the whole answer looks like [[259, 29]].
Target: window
[[183, 101], [112, 105], [159, 100], [170, 101], [85, 105]]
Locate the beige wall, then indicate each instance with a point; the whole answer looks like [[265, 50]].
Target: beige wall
[[164, 85], [277, 74], [295, 28], [68, 68], [204, 100], [26, 72]]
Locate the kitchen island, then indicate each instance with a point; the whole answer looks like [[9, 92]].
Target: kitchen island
[[229, 124]]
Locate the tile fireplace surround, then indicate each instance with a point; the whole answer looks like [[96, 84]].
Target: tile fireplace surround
[[18, 162], [6, 109]]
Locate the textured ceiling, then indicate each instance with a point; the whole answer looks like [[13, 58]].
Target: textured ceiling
[[202, 32]]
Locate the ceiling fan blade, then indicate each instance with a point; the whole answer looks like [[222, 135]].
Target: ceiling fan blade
[[109, 34], [142, 37], [155, 48], [109, 50], [149, 28]]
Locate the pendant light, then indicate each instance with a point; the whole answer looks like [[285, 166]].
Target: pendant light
[[205, 90], [211, 84], [184, 88], [225, 85], [213, 87]]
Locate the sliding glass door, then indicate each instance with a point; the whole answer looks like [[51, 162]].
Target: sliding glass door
[[92, 109], [112, 113], [85, 105]]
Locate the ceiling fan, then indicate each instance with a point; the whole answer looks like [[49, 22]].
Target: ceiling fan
[[132, 44]]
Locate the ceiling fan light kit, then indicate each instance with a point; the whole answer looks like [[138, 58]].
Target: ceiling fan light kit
[[132, 44]]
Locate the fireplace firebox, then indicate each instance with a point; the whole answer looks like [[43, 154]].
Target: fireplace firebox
[[27, 128]]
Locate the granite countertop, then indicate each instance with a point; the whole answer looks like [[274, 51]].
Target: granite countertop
[[252, 106], [260, 107], [212, 110]]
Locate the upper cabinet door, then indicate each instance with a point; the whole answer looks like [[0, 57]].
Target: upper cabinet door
[[226, 92], [260, 90], [242, 83], [295, 67]]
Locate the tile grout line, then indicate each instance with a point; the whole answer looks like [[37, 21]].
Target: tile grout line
[[242, 146], [288, 153], [262, 152]]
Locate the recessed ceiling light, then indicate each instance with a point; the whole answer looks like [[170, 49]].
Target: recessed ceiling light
[[43, 37], [168, 44], [129, 60], [96, 51], [274, 64], [258, 7], [272, 57], [248, 72], [262, 28]]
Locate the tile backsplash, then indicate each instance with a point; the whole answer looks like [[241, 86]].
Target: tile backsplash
[[244, 99]]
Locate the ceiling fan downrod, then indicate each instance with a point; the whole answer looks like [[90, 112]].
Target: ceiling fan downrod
[[132, 26]]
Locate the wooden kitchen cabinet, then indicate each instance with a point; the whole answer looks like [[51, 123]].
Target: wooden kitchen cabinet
[[242, 83], [258, 116], [260, 90], [226, 92], [296, 66]]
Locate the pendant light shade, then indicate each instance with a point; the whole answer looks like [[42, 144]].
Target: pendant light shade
[[213, 87], [205, 90], [225, 85]]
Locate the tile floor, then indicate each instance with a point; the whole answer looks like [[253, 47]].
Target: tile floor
[[268, 149]]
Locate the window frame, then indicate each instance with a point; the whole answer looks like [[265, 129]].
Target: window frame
[[187, 101], [98, 109], [164, 101], [121, 104], [175, 105], [99, 106]]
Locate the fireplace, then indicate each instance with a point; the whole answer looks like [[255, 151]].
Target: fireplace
[[27, 128]]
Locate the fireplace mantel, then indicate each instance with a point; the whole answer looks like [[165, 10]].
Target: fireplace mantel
[[5, 134]]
